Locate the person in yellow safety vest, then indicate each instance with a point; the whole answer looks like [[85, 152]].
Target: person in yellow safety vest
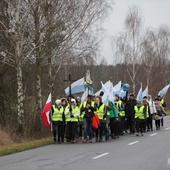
[[123, 117], [119, 105], [164, 106], [74, 113], [102, 114], [68, 120], [65, 105], [145, 103], [80, 120], [57, 120], [140, 116], [87, 112]]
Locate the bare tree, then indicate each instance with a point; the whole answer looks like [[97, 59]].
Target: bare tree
[[162, 50], [66, 28], [49, 33], [129, 45], [16, 34], [156, 50]]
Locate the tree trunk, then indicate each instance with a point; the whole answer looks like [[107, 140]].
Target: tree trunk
[[38, 94], [20, 96]]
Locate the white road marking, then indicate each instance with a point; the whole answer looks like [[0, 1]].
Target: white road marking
[[99, 156], [169, 161], [133, 143], [153, 134], [167, 128]]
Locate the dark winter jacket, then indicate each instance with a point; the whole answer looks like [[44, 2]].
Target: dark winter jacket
[[129, 111]]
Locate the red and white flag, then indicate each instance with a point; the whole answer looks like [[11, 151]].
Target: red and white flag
[[46, 112]]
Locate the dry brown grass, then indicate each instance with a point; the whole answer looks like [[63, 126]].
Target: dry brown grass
[[5, 139], [12, 143]]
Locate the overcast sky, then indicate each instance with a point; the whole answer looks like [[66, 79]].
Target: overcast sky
[[154, 13]]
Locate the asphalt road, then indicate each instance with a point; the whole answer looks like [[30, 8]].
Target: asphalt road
[[129, 152]]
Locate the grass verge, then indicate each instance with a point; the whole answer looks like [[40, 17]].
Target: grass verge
[[168, 112], [6, 150]]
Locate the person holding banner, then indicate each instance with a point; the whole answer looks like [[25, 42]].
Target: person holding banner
[[159, 112], [161, 96], [162, 101]]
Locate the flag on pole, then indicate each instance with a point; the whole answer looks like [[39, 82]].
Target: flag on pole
[[139, 95], [105, 86], [163, 91], [84, 96], [46, 112], [76, 87], [145, 92], [108, 92], [117, 88], [105, 90], [110, 97]]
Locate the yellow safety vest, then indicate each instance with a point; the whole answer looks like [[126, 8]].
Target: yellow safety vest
[[73, 112], [118, 105], [163, 103], [83, 113], [67, 116], [147, 112], [57, 114], [100, 112], [139, 112]]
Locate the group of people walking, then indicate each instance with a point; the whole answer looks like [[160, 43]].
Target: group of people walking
[[73, 120]]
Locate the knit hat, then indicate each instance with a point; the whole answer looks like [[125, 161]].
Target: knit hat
[[73, 100], [139, 102], [132, 95], [78, 98], [101, 93], [57, 101]]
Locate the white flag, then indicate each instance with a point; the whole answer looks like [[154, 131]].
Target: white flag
[[139, 95], [117, 88], [164, 91], [145, 92]]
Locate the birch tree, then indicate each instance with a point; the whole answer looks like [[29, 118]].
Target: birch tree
[[156, 51], [129, 45], [16, 35], [162, 48], [150, 56]]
